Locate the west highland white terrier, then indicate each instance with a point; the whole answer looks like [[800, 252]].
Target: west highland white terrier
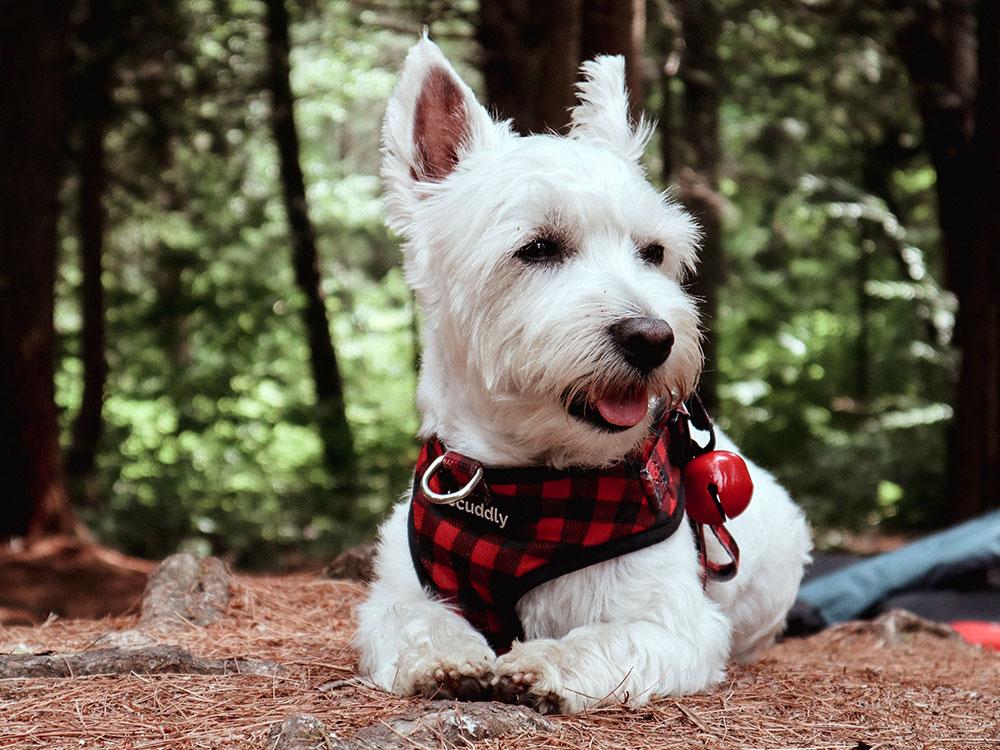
[[540, 557]]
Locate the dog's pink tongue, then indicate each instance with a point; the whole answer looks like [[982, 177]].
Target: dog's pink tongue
[[626, 409]]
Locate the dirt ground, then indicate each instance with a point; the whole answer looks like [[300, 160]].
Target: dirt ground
[[71, 578], [849, 688]]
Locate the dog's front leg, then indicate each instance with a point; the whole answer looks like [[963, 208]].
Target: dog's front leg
[[611, 663], [649, 636], [411, 644]]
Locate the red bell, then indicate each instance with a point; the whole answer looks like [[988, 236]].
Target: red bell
[[728, 475]]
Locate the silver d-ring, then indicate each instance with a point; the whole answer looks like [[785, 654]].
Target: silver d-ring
[[447, 498]]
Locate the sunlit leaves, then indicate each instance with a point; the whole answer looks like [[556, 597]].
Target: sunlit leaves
[[818, 116], [210, 438]]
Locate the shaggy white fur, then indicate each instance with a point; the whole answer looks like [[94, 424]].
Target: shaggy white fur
[[506, 347]]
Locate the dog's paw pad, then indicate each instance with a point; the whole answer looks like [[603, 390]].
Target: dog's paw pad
[[467, 682], [510, 689], [518, 689]]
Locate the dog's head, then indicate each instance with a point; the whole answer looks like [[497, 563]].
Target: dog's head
[[548, 270]]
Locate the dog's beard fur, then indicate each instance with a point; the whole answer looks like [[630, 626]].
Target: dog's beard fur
[[508, 344]]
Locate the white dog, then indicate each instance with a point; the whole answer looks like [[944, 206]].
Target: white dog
[[556, 329]]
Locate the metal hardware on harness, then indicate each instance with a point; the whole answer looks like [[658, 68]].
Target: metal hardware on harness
[[447, 498]]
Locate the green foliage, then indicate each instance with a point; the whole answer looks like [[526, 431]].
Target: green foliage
[[835, 368], [834, 359], [210, 437]]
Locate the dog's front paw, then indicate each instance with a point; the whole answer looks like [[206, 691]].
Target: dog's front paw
[[463, 682], [527, 676], [456, 675], [521, 689]]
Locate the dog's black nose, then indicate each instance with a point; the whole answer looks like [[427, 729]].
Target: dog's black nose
[[645, 342]]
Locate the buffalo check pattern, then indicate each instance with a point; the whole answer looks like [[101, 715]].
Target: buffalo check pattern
[[521, 527]]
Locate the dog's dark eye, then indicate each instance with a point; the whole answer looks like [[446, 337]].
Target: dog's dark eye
[[652, 254], [539, 250]]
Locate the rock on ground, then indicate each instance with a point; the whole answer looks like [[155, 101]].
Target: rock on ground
[[185, 590]]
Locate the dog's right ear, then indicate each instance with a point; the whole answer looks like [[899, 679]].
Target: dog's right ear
[[432, 122]]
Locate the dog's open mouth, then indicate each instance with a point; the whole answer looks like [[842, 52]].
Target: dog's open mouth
[[614, 411]]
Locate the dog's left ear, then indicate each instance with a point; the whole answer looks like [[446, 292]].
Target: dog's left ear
[[432, 122], [602, 116]]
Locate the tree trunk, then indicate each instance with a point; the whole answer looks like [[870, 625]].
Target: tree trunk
[[530, 55], [697, 155], [93, 104], [617, 27], [938, 47], [665, 39], [32, 47], [89, 425], [975, 457], [334, 428], [945, 60]]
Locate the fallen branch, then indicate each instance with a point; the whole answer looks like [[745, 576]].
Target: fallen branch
[[147, 660]]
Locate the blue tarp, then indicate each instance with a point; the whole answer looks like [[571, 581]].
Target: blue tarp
[[847, 593]]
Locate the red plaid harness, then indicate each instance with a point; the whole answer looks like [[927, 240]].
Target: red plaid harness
[[521, 527]]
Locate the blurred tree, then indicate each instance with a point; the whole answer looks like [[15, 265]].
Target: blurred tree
[[530, 54], [330, 410], [617, 27], [690, 56], [953, 62], [32, 47], [90, 109]]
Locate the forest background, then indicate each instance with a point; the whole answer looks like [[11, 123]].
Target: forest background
[[206, 342]]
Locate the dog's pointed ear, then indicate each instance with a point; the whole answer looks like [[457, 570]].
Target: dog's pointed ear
[[602, 116], [432, 122]]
